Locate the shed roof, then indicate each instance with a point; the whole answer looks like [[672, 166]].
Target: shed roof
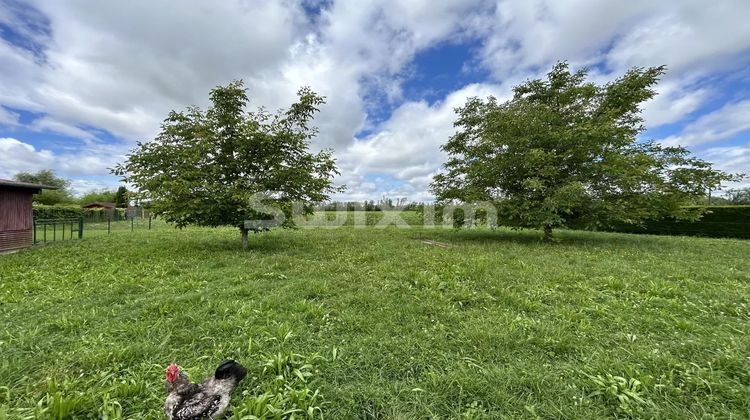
[[25, 185], [99, 204]]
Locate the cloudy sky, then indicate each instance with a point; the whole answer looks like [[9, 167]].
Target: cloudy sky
[[82, 81]]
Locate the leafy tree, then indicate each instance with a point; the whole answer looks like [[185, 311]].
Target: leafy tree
[[103, 196], [738, 196], [47, 177], [386, 202], [371, 206], [121, 197], [217, 167], [564, 152]]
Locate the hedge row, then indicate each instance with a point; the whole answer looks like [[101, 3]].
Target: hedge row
[[717, 222], [72, 211], [42, 211]]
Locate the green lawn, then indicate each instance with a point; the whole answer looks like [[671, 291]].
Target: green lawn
[[475, 323]]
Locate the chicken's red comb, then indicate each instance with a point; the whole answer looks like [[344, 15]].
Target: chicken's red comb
[[172, 371]]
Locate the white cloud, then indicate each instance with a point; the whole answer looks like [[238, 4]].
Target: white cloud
[[81, 186], [524, 35], [728, 121], [123, 66], [18, 156], [8, 117], [685, 35], [733, 159], [21, 157], [524, 38], [52, 125], [674, 102], [407, 146]]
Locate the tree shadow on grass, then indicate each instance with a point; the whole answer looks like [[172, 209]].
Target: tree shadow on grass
[[562, 238], [262, 243]]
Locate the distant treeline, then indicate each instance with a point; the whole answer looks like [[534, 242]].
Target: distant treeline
[[386, 204]]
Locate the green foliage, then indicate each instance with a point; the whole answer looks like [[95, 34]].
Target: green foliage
[[121, 197], [379, 219], [101, 196], [224, 166], [458, 216], [716, 221], [738, 196], [352, 206], [53, 197], [71, 211], [564, 148], [47, 177], [282, 390], [628, 395]]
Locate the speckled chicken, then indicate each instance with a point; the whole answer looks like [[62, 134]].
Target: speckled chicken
[[207, 400]]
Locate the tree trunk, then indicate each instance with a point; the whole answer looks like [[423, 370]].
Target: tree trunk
[[548, 233], [243, 231]]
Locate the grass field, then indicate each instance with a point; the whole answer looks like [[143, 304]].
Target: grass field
[[381, 323]]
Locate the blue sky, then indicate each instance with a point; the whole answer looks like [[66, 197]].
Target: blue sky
[[83, 81]]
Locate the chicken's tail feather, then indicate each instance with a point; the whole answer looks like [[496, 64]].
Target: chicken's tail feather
[[230, 369]]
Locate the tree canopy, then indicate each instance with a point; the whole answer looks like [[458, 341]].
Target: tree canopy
[[214, 167], [565, 151], [738, 196], [47, 177], [104, 196], [121, 197]]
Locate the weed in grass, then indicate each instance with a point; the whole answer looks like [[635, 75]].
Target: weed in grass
[[628, 395], [285, 389]]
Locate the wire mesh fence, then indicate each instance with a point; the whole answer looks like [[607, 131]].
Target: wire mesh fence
[[117, 225], [63, 229], [52, 230]]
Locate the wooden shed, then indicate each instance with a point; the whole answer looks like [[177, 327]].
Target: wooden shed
[[16, 214]]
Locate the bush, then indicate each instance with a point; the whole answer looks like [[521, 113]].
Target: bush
[[717, 222], [73, 211], [59, 211]]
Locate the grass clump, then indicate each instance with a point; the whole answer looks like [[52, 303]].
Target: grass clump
[[285, 389]]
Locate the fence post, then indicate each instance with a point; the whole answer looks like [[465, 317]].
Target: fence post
[[149, 222], [54, 232], [132, 220], [33, 226], [80, 228], [45, 232], [109, 224]]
